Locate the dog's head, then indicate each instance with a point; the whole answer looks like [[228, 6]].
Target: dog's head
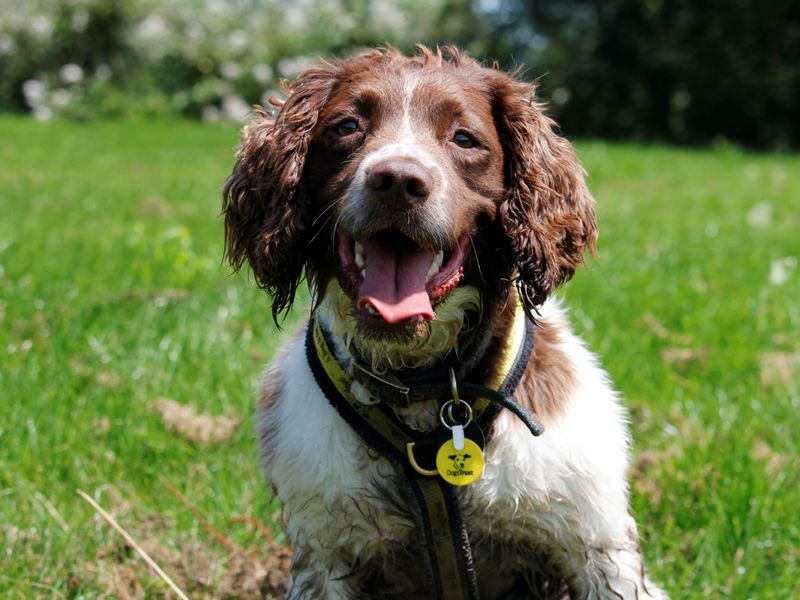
[[459, 460], [392, 181]]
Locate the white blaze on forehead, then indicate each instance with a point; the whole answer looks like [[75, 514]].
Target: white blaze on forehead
[[409, 85], [408, 141], [407, 138]]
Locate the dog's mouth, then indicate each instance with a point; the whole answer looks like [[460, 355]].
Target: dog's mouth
[[393, 280]]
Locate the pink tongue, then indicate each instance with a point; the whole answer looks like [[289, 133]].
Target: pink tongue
[[394, 282]]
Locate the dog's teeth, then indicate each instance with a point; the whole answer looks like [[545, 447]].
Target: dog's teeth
[[358, 250], [371, 310], [436, 264]]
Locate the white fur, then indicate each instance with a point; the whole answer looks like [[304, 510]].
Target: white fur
[[563, 493], [438, 209], [336, 310]]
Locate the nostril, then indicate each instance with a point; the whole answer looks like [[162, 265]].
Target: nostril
[[380, 180], [418, 187]]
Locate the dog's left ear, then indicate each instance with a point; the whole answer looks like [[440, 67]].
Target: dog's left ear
[[267, 214], [548, 212]]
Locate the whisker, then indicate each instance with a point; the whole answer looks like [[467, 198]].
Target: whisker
[[477, 259], [323, 211], [320, 229], [333, 231]]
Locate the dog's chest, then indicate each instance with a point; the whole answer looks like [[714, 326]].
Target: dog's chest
[[343, 500]]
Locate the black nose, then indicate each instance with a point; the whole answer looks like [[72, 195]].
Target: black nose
[[400, 182]]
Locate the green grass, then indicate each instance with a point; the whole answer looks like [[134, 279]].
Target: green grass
[[112, 294]]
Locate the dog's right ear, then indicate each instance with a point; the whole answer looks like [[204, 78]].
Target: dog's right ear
[[267, 214]]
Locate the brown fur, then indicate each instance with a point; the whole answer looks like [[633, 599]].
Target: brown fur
[[267, 213], [549, 379], [273, 206]]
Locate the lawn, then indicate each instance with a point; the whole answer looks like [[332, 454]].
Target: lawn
[[116, 313]]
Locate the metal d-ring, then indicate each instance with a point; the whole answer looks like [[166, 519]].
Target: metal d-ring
[[412, 460], [449, 405]]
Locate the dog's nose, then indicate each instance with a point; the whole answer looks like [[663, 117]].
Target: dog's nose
[[400, 182]]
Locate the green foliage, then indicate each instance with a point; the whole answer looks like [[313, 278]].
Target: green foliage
[[200, 58], [112, 294], [683, 71]]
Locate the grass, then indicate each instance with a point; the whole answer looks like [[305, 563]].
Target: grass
[[112, 295]]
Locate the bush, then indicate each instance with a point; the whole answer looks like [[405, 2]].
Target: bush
[[675, 70], [208, 59]]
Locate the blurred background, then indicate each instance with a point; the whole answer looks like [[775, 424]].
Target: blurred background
[[130, 357], [681, 71]]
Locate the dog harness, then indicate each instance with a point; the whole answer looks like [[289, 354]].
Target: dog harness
[[433, 462]]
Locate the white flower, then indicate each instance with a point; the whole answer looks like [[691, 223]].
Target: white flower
[[153, 28], [388, 16], [41, 26], [238, 40], [34, 91], [60, 97], [79, 21], [294, 19], [42, 112], [7, 45], [230, 70], [217, 7], [262, 73], [780, 270], [490, 6], [235, 108], [71, 73], [292, 67], [195, 31]]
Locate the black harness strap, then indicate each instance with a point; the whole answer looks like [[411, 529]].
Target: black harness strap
[[449, 561]]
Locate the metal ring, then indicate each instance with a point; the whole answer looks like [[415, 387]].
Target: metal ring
[[454, 386], [453, 419], [441, 414], [449, 406], [412, 460]]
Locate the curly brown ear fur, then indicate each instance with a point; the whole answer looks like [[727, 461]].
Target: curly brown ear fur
[[548, 212], [266, 210]]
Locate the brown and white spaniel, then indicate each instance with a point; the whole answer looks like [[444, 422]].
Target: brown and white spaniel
[[425, 198]]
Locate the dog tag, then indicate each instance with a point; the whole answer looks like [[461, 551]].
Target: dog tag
[[459, 467]]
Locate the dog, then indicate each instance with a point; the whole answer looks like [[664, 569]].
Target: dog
[[459, 460], [433, 208]]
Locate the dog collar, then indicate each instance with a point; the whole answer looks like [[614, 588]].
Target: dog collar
[[449, 557], [409, 386]]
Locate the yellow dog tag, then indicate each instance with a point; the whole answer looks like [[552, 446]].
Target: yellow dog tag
[[460, 467]]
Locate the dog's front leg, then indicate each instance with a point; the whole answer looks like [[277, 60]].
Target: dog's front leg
[[615, 570], [314, 577]]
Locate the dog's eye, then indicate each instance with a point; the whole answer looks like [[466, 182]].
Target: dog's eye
[[346, 128], [464, 140]]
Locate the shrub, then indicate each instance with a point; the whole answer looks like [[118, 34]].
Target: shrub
[[199, 58]]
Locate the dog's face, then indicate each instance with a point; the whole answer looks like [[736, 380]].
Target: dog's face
[[393, 181], [408, 162], [459, 460]]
